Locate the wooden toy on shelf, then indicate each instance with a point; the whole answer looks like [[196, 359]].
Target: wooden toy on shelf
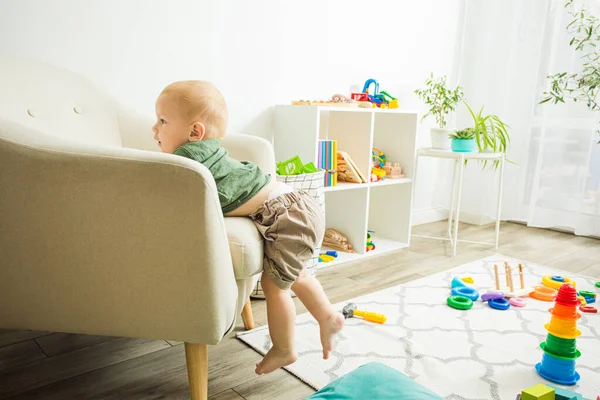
[[335, 240], [393, 171]]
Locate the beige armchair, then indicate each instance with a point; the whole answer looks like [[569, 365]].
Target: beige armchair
[[101, 236]]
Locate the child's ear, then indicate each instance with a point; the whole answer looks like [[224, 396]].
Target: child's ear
[[197, 133]]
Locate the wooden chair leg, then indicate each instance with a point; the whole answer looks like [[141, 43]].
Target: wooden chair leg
[[247, 316], [196, 356]]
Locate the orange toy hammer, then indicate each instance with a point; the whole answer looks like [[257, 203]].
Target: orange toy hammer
[[351, 311]]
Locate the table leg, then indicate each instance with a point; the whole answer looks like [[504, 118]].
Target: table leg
[[451, 210], [460, 180], [499, 201]]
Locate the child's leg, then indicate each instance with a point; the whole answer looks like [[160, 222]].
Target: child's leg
[[311, 294], [281, 315]]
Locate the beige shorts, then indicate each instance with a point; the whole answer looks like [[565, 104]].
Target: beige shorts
[[292, 225]]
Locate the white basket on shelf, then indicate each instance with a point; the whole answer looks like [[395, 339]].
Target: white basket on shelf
[[313, 184]]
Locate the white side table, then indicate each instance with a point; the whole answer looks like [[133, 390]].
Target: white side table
[[459, 162]]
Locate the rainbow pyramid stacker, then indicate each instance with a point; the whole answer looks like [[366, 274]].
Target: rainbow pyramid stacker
[[560, 351]]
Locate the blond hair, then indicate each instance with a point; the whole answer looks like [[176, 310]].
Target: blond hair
[[201, 101]]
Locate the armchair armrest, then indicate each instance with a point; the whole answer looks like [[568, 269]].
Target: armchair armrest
[[111, 241]]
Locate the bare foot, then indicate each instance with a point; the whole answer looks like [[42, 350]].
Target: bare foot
[[329, 329], [275, 359]]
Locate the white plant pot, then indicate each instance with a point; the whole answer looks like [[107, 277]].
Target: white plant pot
[[440, 138]]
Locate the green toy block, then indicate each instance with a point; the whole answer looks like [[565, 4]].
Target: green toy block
[[309, 168], [563, 394], [293, 166], [538, 392]]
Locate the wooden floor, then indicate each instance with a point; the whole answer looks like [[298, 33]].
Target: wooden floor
[[52, 366]]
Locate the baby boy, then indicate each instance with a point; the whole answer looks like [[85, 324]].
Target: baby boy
[[191, 119]]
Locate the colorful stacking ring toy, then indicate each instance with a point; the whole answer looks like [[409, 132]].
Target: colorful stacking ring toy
[[587, 293], [543, 293], [555, 281], [588, 309], [598, 284], [492, 296], [499, 304], [517, 302], [467, 292], [460, 302]]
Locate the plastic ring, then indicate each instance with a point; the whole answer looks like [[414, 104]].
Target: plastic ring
[[491, 296], [588, 309], [518, 302], [499, 304], [460, 302], [558, 278], [467, 292], [598, 284], [548, 281], [543, 293]]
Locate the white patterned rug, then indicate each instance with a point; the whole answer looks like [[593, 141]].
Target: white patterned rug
[[480, 353]]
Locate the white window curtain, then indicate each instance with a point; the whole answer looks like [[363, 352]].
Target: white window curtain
[[507, 50]]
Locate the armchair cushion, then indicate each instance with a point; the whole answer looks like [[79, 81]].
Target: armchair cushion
[[245, 245]]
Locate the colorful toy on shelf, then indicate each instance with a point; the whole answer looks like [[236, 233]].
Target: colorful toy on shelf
[[370, 244], [328, 256], [509, 290], [560, 350], [556, 281], [337, 100], [377, 170], [538, 392], [598, 284], [393, 171], [335, 240], [392, 101], [347, 169], [351, 311], [381, 100], [294, 166]]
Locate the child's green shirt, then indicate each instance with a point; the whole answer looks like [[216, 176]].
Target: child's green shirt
[[237, 181]]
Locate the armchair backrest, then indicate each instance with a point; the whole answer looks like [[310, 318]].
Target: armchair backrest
[[57, 102]]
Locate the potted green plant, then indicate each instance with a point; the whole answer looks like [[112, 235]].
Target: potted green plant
[[491, 133], [441, 102], [463, 141]]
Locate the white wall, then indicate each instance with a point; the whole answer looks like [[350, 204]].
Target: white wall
[[259, 53]]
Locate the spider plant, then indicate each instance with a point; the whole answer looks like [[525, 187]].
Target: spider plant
[[491, 133]]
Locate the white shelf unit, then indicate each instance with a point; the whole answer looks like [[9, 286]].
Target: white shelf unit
[[351, 208]]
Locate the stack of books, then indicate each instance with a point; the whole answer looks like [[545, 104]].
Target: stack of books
[[327, 160]]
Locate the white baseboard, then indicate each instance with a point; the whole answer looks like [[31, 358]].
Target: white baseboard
[[426, 216], [475, 219]]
